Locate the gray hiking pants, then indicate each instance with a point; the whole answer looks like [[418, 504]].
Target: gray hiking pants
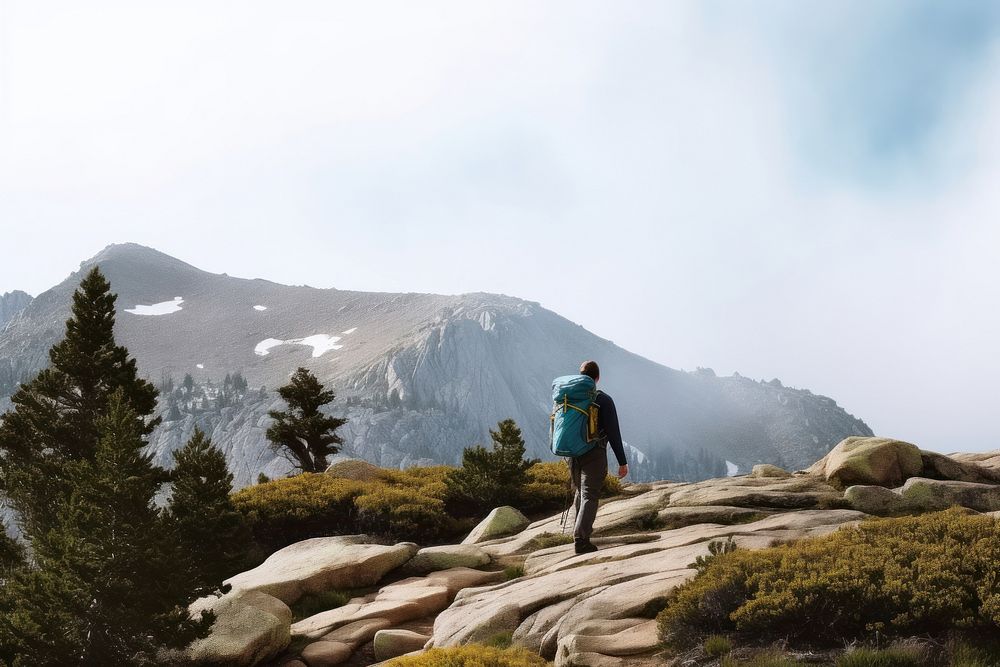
[[588, 473]]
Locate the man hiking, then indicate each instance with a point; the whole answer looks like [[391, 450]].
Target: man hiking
[[588, 470]]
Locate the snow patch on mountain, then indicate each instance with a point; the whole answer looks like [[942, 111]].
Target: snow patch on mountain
[[320, 343], [732, 469], [260, 307], [349, 331], [161, 308]]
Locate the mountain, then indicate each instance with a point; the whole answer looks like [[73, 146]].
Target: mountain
[[12, 303], [419, 376]]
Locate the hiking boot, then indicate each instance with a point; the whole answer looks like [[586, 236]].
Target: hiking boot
[[583, 546]]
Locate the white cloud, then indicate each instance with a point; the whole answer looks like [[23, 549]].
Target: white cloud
[[479, 137]]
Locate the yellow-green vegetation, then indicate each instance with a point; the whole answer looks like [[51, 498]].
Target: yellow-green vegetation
[[409, 504], [513, 572], [548, 540], [978, 652], [766, 659], [548, 486], [397, 504], [717, 645], [471, 656], [913, 575], [312, 604], [888, 657], [500, 640], [287, 510]]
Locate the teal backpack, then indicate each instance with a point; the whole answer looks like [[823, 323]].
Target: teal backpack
[[573, 423]]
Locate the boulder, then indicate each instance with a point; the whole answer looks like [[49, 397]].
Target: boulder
[[354, 469], [923, 495], [326, 653], [988, 460], [390, 644], [500, 522], [768, 493], [325, 622], [876, 500], [939, 466], [640, 637], [250, 627], [431, 559], [870, 461], [768, 470], [321, 564]]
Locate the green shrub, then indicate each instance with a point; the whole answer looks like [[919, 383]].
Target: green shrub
[[547, 540], [981, 652], [912, 575], [767, 659], [288, 510], [314, 603], [890, 657], [717, 645], [547, 488], [513, 572], [471, 656], [716, 548], [402, 514], [500, 640]]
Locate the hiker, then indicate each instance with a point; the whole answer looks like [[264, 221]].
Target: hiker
[[588, 470]]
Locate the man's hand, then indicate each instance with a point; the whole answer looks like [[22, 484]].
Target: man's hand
[[622, 471]]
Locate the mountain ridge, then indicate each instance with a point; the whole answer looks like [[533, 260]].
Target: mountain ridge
[[419, 376]]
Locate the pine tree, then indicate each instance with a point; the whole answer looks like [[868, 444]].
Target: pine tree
[[489, 478], [107, 586], [213, 535], [55, 415], [302, 433]]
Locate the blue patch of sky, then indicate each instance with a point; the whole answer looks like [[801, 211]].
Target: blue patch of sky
[[871, 85]]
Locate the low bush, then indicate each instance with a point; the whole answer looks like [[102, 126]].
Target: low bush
[[312, 604], [403, 514], [513, 572], [979, 652], [913, 575], [547, 541], [766, 659], [471, 656], [288, 510], [547, 488], [889, 657], [717, 645], [398, 505]]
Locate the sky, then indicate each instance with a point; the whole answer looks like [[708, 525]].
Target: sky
[[802, 190]]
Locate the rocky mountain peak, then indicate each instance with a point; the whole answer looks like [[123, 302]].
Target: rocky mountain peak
[[11, 304]]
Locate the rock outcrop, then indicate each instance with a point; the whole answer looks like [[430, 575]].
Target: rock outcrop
[[591, 609], [250, 627], [322, 564], [501, 521], [875, 461]]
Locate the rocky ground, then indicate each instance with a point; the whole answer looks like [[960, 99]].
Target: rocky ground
[[511, 580]]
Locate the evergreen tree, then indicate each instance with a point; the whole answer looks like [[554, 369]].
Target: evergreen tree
[[54, 418], [489, 478], [11, 555], [302, 433], [107, 586], [213, 536]]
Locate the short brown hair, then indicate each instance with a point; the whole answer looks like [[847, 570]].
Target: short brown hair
[[590, 368]]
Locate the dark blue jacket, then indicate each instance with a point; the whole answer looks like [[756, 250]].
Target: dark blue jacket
[[607, 423]]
